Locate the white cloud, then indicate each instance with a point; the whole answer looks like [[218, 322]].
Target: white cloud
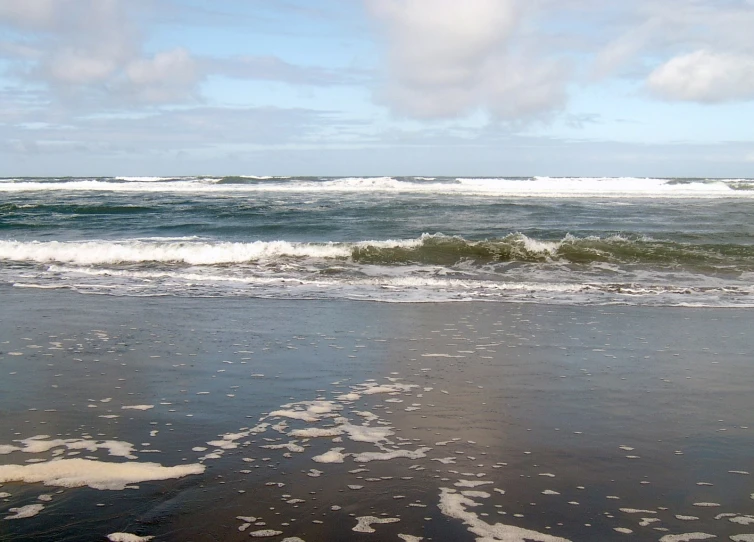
[[705, 76], [168, 76], [79, 67], [704, 48], [87, 48], [447, 58], [32, 13]]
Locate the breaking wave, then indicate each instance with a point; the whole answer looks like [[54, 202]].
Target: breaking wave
[[429, 249], [552, 187]]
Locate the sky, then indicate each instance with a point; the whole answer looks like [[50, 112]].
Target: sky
[[656, 88]]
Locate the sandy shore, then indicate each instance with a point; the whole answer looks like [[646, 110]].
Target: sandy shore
[[310, 419]]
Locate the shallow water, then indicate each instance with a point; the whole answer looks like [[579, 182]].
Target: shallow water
[[631, 412]]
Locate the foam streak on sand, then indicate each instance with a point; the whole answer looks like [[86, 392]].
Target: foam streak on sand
[[333, 456], [95, 474], [128, 537], [366, 457], [365, 523], [454, 505], [687, 537], [23, 512], [43, 443]]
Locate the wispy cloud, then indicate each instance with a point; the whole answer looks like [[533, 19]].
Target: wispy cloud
[[272, 68]]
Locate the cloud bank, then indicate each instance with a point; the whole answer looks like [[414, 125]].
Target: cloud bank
[[516, 59], [93, 47]]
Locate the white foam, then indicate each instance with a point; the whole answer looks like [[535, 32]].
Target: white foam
[[573, 187], [23, 512], [476, 494], [454, 505], [364, 523], [316, 432], [333, 456], [265, 533], [128, 537], [143, 179], [95, 474], [371, 388], [366, 457], [228, 441], [321, 407], [190, 252], [43, 443], [137, 407], [687, 537], [365, 433], [637, 511], [290, 446], [294, 415]]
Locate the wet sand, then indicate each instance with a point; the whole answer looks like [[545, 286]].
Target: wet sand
[[443, 421]]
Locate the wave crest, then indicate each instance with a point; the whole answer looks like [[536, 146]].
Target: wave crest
[[429, 249], [547, 187]]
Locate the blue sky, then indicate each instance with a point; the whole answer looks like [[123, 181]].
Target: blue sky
[[377, 87]]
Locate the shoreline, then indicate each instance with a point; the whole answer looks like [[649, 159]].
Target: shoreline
[[547, 302], [603, 398]]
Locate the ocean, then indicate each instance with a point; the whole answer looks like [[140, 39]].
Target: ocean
[[373, 358], [592, 241]]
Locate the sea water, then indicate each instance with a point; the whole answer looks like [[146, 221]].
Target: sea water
[[550, 240], [595, 384]]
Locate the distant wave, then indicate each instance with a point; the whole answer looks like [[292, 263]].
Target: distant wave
[[144, 179], [566, 187], [435, 249], [91, 209]]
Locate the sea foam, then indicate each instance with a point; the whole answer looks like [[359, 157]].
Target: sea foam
[[550, 187], [95, 474]]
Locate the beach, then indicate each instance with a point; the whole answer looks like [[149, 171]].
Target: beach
[[351, 420], [376, 270]]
